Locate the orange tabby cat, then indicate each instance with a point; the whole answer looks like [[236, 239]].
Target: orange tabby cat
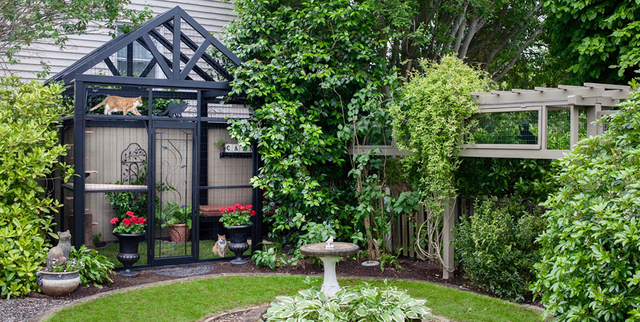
[[220, 248], [117, 103]]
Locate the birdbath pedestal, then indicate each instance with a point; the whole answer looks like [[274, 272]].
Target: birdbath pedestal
[[329, 256]]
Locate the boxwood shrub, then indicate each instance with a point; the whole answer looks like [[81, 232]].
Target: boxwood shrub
[[590, 270], [496, 247]]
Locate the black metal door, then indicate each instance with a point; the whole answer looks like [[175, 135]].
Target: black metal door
[[174, 181]]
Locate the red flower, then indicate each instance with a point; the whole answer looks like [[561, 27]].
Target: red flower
[[248, 207], [129, 213], [238, 206], [222, 210], [114, 220], [126, 222], [134, 219], [252, 212], [230, 209], [143, 220]]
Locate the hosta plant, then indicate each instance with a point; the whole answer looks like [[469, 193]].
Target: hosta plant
[[364, 303]]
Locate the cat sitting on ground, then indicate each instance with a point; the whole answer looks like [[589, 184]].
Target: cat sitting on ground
[[220, 248], [60, 253], [120, 104]]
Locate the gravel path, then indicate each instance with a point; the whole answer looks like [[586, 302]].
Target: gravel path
[[25, 309]]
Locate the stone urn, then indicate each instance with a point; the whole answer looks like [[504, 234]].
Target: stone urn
[[179, 233], [128, 253], [57, 283], [238, 242]]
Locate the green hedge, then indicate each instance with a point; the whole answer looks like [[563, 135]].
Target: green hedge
[[29, 150]]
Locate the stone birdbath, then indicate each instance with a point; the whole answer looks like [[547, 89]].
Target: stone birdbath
[[329, 253]]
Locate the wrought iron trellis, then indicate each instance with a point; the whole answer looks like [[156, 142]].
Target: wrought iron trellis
[[133, 163]]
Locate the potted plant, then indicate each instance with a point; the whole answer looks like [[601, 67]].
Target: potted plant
[[177, 219], [221, 144], [129, 231], [60, 278], [237, 220]]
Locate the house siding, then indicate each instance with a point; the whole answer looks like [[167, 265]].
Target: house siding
[[211, 14]]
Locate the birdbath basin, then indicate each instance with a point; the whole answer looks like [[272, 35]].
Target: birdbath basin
[[329, 256]]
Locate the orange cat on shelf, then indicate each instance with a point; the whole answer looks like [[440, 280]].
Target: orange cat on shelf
[[120, 104]]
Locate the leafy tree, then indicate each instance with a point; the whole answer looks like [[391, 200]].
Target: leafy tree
[[527, 179], [29, 151], [591, 258], [597, 40], [491, 34], [315, 81], [24, 22]]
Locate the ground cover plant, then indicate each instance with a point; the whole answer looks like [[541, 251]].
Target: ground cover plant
[[29, 151], [590, 264], [193, 300], [362, 303]]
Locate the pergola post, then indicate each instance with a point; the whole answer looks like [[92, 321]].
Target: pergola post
[[592, 116], [449, 222]]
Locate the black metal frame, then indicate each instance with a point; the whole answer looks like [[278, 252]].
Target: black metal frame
[[80, 86]]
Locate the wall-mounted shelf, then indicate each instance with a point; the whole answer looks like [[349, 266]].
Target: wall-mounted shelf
[[236, 155], [98, 187]]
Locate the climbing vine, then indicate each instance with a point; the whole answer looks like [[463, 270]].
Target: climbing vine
[[427, 120]]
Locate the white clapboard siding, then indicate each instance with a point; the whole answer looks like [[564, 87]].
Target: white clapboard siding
[[211, 14]]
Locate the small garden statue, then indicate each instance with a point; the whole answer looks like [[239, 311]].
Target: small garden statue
[[60, 253], [329, 242]]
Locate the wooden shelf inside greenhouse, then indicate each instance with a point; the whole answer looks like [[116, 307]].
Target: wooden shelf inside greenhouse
[[105, 187]]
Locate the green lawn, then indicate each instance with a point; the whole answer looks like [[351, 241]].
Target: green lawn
[[164, 249], [193, 300]]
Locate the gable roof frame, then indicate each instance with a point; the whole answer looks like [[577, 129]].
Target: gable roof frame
[[171, 21]]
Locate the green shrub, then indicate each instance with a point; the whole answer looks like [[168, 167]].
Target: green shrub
[[29, 150], [496, 248], [364, 303], [590, 269], [95, 268], [273, 258]]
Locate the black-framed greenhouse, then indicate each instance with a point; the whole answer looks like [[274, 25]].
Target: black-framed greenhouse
[[148, 135]]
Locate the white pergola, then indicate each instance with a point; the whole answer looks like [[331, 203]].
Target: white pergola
[[595, 99]]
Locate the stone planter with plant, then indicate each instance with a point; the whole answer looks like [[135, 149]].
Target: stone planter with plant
[[129, 231], [237, 220]]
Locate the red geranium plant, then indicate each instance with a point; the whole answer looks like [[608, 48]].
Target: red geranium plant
[[131, 224], [237, 215]]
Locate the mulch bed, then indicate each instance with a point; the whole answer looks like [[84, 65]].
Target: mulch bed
[[412, 270]]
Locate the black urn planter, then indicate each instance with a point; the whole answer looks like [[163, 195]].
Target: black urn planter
[[128, 253], [238, 242]]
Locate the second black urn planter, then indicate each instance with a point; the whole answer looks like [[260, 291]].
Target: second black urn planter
[[128, 253], [238, 242]]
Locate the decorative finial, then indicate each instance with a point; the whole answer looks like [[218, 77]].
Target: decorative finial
[[329, 242]]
